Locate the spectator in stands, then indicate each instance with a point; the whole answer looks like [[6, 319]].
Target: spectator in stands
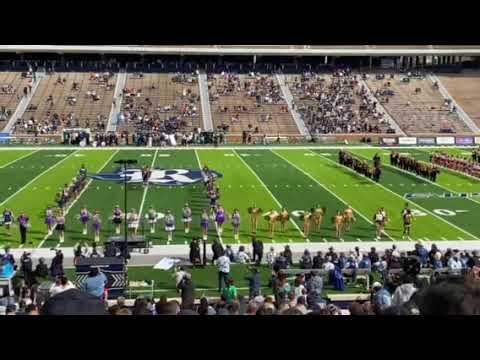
[[95, 283], [381, 297], [230, 293], [287, 253], [61, 284], [242, 256], [187, 291], [114, 309], [223, 264], [140, 307], [254, 283], [318, 261], [32, 310], [205, 308], [454, 262], [41, 270], [56, 267], [314, 288], [271, 256], [217, 250], [257, 246], [306, 260]]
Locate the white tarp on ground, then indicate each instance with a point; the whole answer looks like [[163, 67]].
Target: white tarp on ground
[[166, 264]]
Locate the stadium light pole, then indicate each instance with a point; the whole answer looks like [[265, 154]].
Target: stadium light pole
[[125, 163]]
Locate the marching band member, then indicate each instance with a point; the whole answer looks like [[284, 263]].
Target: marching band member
[[236, 224], [307, 219], [318, 214], [169, 225], [380, 219], [339, 222], [117, 219], [407, 223], [187, 218]]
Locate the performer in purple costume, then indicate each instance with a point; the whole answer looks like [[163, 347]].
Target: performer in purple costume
[[61, 226], [220, 219], [97, 225], [49, 220], [84, 219]]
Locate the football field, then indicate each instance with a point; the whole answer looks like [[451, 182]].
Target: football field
[[272, 178]]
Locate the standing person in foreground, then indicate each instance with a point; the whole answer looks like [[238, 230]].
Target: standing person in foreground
[[223, 264], [95, 283], [257, 246], [24, 224]]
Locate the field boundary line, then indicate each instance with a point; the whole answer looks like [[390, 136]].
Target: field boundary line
[[419, 177], [37, 177], [145, 191], [328, 190], [268, 190], [20, 158], [401, 197], [80, 195]]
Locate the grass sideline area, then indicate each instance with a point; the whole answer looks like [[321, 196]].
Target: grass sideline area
[[275, 177]]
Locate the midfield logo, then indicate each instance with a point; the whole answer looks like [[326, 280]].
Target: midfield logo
[[173, 177]]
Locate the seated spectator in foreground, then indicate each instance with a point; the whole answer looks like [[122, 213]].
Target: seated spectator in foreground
[[74, 302], [41, 270], [306, 260], [95, 283], [114, 309], [242, 256], [61, 284], [381, 297]]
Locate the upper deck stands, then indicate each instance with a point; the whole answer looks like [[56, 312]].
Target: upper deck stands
[[417, 106], [244, 102], [11, 92], [161, 102], [65, 100], [465, 89]]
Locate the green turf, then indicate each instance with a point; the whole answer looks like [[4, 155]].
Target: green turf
[[240, 189], [464, 210], [298, 192], [206, 280], [10, 157]]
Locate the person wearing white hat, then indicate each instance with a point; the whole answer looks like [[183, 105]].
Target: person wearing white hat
[[381, 297]]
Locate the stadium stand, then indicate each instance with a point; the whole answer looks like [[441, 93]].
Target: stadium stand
[[336, 103], [69, 100], [465, 89], [248, 102], [416, 105], [160, 103], [11, 92]]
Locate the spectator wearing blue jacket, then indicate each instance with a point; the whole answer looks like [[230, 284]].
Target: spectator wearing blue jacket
[[95, 283], [422, 253], [365, 263], [381, 297]]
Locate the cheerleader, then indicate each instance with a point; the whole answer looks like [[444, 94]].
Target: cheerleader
[[152, 218], [272, 218], [339, 222], [187, 218], [220, 216], [284, 218], [61, 226], [204, 222], [49, 221], [236, 224], [117, 219], [97, 225], [307, 219], [8, 220], [132, 221], [84, 219], [169, 225], [212, 195], [349, 217], [254, 212]]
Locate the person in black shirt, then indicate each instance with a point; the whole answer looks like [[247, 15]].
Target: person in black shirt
[[26, 268], [217, 250], [257, 246], [41, 270]]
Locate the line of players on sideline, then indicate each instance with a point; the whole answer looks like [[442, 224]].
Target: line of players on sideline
[[312, 219]]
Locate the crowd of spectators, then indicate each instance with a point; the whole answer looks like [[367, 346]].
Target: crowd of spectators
[[337, 104]]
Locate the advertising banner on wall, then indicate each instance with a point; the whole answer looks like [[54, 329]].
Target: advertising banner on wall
[[464, 140], [407, 141], [426, 141], [389, 141], [447, 140]]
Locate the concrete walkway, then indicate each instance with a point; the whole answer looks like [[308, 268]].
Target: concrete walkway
[[287, 95], [205, 97], [118, 98], [23, 104]]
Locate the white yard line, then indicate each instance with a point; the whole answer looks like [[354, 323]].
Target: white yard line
[[401, 197], [268, 190], [331, 192], [37, 177], [144, 197], [79, 196], [20, 158]]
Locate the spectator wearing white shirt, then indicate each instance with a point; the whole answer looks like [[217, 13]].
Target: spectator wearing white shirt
[[328, 265], [454, 263], [242, 256], [223, 263], [62, 284], [271, 255]]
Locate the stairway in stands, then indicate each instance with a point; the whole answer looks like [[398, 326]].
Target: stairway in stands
[[118, 98], [205, 97]]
